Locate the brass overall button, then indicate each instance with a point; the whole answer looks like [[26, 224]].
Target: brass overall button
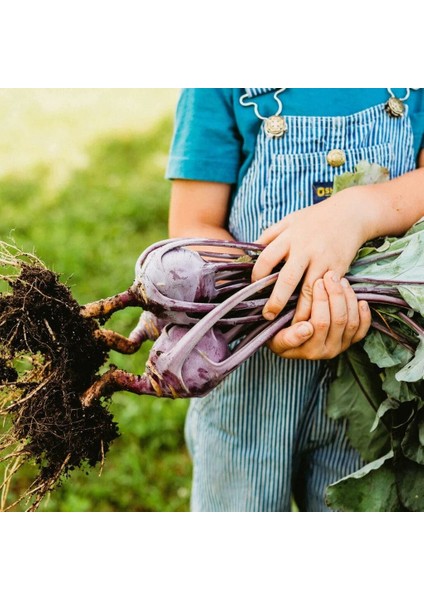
[[395, 107], [336, 158], [275, 126]]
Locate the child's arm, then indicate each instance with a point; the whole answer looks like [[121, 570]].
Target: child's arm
[[199, 209], [326, 237]]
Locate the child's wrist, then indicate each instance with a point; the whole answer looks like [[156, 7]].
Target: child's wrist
[[370, 209]]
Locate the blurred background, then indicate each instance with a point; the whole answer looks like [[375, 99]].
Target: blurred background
[[82, 186]]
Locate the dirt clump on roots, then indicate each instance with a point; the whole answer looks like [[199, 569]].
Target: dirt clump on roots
[[49, 355]]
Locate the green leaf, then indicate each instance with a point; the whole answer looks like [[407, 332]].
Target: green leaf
[[421, 433], [414, 370], [384, 246], [371, 489], [385, 406], [398, 390], [410, 483], [408, 266], [355, 394], [365, 173], [384, 351], [414, 296], [411, 444], [416, 227], [364, 251]]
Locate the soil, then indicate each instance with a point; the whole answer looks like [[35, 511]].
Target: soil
[[49, 356]]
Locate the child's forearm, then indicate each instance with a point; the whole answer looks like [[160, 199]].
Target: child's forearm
[[389, 208], [199, 209]]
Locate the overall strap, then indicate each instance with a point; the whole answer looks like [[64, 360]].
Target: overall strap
[[253, 92]]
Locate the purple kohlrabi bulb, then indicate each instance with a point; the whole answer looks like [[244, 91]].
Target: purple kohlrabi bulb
[[180, 274], [197, 373]]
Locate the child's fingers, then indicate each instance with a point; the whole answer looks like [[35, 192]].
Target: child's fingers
[[304, 303], [338, 311], [353, 318], [364, 321], [270, 256], [290, 338], [271, 233], [288, 279], [314, 348]]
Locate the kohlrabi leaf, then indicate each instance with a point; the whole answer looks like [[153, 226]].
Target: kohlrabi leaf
[[408, 266], [385, 406], [411, 444], [364, 174], [398, 390], [414, 296], [416, 227], [384, 351], [410, 483], [355, 394], [371, 489], [414, 369]]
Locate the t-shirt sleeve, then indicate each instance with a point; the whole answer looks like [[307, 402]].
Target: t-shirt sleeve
[[206, 145]]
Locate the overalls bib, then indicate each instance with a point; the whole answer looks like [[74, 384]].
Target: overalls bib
[[262, 435]]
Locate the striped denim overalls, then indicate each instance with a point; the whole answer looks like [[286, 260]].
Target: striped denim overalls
[[262, 435]]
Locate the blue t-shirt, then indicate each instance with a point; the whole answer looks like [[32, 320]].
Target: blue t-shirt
[[215, 137]]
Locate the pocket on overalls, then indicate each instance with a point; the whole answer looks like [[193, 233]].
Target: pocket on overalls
[[296, 181]]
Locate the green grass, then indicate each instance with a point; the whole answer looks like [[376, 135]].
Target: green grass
[[91, 230]]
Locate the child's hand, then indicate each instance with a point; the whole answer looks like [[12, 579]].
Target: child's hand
[[337, 321], [320, 238]]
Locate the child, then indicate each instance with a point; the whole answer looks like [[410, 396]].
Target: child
[[257, 164]]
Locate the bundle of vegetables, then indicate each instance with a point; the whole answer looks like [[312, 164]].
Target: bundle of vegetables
[[206, 318]]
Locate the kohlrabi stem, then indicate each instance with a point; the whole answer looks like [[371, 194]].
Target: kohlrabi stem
[[381, 280], [237, 330], [187, 242], [370, 289], [375, 257], [224, 288], [411, 323], [220, 255], [182, 348], [400, 339], [234, 266], [382, 299], [251, 334], [244, 352]]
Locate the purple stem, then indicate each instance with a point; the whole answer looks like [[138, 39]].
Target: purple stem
[[411, 323], [365, 289], [239, 329], [250, 335], [359, 279], [403, 341], [219, 255], [233, 266], [372, 258], [225, 288], [256, 341], [183, 348], [382, 299], [240, 320], [184, 242]]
